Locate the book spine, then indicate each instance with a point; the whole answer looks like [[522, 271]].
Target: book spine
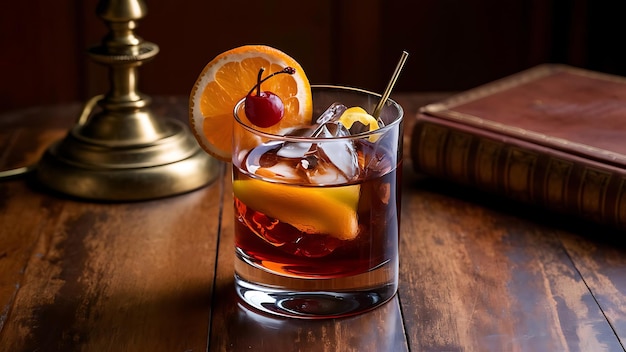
[[519, 170]]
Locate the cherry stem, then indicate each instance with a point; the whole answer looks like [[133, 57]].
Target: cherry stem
[[288, 70], [258, 82]]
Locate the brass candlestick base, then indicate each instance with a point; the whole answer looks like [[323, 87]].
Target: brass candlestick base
[[123, 152]]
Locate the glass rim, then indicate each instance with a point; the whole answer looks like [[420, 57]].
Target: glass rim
[[305, 139]]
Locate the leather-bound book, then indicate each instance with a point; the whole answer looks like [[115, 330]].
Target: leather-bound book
[[553, 136]]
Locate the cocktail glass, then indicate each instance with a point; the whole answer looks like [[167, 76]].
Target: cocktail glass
[[317, 212]]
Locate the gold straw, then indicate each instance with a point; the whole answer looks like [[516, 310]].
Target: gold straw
[[390, 85]]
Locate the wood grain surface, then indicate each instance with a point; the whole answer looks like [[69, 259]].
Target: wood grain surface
[[477, 273]]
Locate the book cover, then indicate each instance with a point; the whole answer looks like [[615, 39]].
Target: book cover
[[553, 135]]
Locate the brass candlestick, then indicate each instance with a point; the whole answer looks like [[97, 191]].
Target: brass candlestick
[[124, 152]]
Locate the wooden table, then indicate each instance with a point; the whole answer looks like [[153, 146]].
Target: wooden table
[[478, 273]]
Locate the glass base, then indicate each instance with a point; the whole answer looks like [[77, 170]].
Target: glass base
[[311, 305], [314, 298]]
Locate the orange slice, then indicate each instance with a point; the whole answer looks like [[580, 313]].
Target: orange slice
[[357, 113], [320, 210], [354, 114], [228, 78]]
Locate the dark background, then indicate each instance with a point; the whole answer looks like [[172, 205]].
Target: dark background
[[453, 44]]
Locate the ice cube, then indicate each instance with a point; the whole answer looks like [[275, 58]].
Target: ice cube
[[281, 170], [294, 150], [343, 156], [333, 129], [325, 162], [321, 130], [340, 153], [332, 113], [325, 173], [331, 162]]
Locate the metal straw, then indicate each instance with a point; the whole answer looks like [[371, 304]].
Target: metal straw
[[392, 82]]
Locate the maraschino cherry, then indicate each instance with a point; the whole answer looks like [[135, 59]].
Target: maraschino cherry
[[265, 109]]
